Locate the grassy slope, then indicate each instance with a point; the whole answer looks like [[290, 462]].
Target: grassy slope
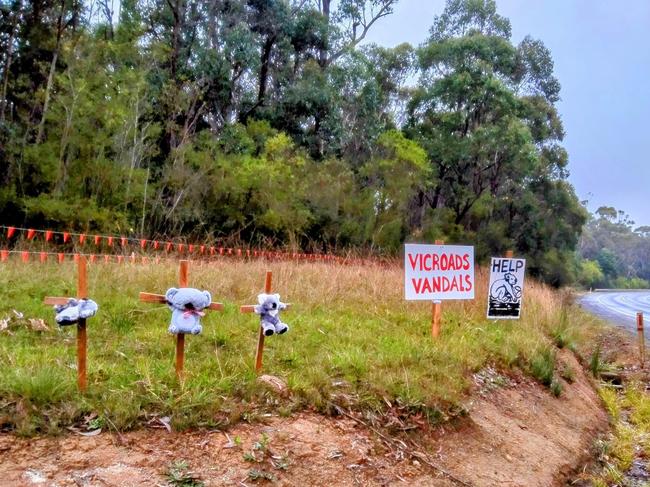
[[353, 339]]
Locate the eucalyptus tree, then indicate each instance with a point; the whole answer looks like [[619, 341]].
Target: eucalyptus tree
[[484, 110]]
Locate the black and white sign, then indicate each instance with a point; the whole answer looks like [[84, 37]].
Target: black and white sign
[[506, 288]]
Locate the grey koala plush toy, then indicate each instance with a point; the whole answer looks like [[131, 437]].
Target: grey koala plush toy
[[187, 306], [269, 310], [74, 310]]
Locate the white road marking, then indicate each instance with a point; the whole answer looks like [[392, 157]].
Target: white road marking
[[621, 305]]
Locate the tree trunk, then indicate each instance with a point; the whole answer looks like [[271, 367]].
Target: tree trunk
[[264, 69], [50, 77], [325, 10], [5, 77]]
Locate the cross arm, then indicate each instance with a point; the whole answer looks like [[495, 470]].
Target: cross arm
[[250, 308], [161, 299], [51, 300]]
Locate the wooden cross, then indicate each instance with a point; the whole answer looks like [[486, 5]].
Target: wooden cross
[[82, 293], [161, 299], [250, 308]]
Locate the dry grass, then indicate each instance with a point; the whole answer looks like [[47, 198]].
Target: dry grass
[[354, 341]]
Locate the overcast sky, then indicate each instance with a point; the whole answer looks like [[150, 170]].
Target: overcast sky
[[601, 51]]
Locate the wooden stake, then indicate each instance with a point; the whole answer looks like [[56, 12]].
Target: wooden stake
[[259, 354], [82, 340], [436, 310], [640, 332], [180, 337]]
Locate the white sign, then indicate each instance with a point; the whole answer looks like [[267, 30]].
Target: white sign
[[433, 272], [506, 288]]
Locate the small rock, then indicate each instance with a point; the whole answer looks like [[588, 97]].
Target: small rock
[[34, 476], [276, 384]]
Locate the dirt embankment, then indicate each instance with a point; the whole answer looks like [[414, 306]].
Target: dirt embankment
[[516, 434]]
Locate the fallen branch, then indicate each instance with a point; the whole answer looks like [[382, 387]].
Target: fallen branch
[[404, 447]]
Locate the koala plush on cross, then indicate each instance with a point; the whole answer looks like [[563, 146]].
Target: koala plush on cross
[[187, 306], [269, 310]]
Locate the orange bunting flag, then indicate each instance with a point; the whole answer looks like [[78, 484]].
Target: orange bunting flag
[[61, 257], [107, 259], [212, 250], [92, 258], [191, 248], [110, 241], [98, 239], [238, 252], [157, 260], [120, 258], [30, 233], [248, 252], [75, 257], [66, 237], [202, 249], [168, 247], [220, 250], [229, 251], [4, 255], [10, 232], [48, 235], [123, 241], [180, 247], [132, 258], [43, 256], [25, 256], [155, 244], [143, 243], [82, 238]]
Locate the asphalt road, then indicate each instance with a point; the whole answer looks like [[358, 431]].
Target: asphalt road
[[619, 307]]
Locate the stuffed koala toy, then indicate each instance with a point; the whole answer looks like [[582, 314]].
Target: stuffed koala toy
[[187, 306], [74, 310], [269, 311]]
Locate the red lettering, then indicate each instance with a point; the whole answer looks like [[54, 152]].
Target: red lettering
[[412, 261], [454, 284], [424, 262], [466, 261], [436, 262], [444, 262], [436, 284], [417, 284], [426, 286], [468, 282], [445, 284]]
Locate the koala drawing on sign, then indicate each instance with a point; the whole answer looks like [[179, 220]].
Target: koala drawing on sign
[[505, 290], [269, 310], [187, 306]]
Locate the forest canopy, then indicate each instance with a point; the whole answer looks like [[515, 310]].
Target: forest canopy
[[273, 123]]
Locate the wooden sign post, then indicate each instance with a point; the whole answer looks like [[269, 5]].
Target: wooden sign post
[[640, 331], [250, 308], [82, 293], [436, 310], [161, 299]]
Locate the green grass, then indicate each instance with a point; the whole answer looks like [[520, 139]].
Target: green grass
[[353, 341], [629, 411]]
